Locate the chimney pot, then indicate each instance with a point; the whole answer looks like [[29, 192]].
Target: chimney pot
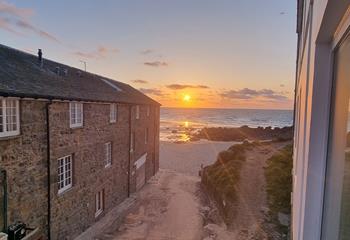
[[40, 55]]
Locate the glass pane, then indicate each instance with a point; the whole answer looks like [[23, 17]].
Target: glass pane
[[336, 222]]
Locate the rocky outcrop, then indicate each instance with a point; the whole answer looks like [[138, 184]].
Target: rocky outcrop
[[244, 133]]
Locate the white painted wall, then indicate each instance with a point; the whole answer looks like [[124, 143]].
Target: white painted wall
[[313, 93]]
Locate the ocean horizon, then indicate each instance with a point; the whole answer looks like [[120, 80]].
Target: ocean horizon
[[176, 123]]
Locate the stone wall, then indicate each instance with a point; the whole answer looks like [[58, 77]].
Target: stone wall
[[24, 159], [74, 210], [138, 127]]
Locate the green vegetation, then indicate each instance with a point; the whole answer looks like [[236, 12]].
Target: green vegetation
[[220, 178], [278, 173]]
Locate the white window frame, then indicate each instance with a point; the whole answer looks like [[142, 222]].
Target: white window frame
[[137, 112], [108, 154], [113, 113], [148, 110], [5, 132], [74, 108], [99, 202], [66, 172]]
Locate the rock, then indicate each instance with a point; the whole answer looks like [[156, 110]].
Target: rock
[[205, 209], [284, 219]]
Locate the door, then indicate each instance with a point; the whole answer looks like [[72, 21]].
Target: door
[[140, 165]]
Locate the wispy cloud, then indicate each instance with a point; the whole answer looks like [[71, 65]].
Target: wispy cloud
[[12, 10], [28, 26], [184, 86], [140, 81], [100, 52], [17, 20], [147, 51], [247, 93], [152, 91], [156, 64]]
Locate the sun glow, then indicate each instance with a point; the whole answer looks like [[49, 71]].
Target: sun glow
[[187, 98]]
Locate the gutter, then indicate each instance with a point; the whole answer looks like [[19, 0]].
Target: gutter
[[62, 98], [47, 108], [4, 173]]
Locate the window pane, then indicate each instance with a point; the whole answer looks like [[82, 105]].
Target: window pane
[[336, 222], [64, 173]]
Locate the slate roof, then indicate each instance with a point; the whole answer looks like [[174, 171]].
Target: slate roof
[[21, 75]]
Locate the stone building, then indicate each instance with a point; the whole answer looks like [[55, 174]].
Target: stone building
[[73, 144]]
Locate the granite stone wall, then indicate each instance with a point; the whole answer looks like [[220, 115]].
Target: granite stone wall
[[74, 210], [138, 127], [24, 159]]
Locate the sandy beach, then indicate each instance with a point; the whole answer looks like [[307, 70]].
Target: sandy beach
[[187, 157]]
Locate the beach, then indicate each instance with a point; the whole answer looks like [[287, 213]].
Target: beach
[[188, 157]]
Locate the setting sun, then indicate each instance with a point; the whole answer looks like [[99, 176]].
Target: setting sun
[[187, 98]]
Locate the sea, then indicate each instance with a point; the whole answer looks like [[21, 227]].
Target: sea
[[176, 124]]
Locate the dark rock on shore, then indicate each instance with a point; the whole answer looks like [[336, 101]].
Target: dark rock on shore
[[244, 133]]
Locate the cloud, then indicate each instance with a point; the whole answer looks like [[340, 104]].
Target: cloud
[[14, 19], [156, 64], [140, 81], [247, 93], [184, 86], [27, 26], [147, 51], [100, 52], [7, 8], [152, 91]]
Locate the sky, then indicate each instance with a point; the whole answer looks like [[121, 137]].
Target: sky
[[182, 53]]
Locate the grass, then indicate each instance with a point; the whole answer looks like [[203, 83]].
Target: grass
[[278, 173], [221, 177]]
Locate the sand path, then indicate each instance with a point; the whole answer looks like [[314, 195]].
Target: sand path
[[172, 206], [188, 157], [168, 208], [251, 205]]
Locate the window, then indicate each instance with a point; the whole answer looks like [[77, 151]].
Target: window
[[108, 149], [9, 117], [76, 114], [146, 135], [64, 173], [336, 217], [137, 112], [113, 113], [148, 110], [99, 200]]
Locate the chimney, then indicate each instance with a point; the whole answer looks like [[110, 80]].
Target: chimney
[[40, 57]]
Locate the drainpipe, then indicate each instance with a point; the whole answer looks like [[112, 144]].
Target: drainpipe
[[129, 161], [4, 174], [48, 170]]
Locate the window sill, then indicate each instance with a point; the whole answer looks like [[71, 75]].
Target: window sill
[[76, 127], [108, 165], [98, 213], [4, 138], [60, 193]]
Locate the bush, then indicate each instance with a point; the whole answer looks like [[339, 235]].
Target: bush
[[278, 173]]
